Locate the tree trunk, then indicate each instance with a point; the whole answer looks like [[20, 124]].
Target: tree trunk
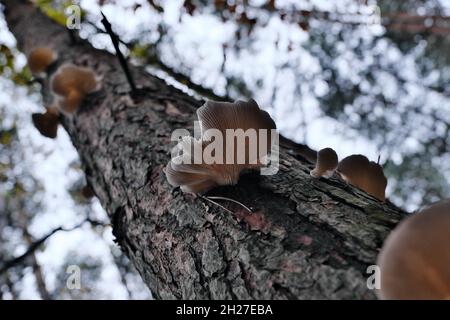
[[308, 238]]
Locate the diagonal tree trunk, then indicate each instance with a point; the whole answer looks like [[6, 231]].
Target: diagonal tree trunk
[[309, 238]]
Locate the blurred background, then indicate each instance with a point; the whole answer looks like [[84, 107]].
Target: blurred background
[[369, 77]]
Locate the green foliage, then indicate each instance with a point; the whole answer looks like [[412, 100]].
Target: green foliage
[[6, 59], [140, 51], [8, 67], [56, 9], [6, 136]]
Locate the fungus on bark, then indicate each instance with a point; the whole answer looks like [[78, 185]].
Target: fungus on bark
[[236, 151], [71, 84], [47, 123], [364, 174], [326, 163], [40, 59], [415, 258]]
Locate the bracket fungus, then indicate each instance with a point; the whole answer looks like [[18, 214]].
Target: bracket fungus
[[40, 59], [71, 84], [47, 123], [194, 177], [364, 174], [415, 258], [326, 163], [234, 137]]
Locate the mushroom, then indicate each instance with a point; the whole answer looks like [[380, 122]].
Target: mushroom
[[87, 191], [326, 163], [222, 116], [231, 150], [40, 59], [364, 174], [71, 84], [47, 123], [415, 258], [194, 177]]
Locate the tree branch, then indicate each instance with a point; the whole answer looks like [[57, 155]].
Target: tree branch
[[119, 54], [36, 244]]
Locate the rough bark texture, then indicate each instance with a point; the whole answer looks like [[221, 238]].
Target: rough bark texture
[[309, 238]]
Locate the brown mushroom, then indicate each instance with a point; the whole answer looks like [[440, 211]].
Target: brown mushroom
[[71, 84], [47, 123], [232, 156], [40, 59], [415, 258], [87, 191], [364, 174], [326, 163]]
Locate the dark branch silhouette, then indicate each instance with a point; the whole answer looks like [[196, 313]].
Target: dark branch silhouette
[[122, 60], [36, 244]]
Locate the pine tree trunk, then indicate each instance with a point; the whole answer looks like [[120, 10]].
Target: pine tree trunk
[[308, 238]]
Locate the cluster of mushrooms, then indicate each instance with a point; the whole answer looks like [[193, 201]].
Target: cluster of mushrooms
[[222, 116], [415, 258], [69, 85]]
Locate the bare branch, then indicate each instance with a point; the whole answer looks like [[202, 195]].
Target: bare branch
[[36, 244], [119, 54]]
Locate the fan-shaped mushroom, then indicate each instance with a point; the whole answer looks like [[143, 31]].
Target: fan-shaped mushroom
[[234, 137]]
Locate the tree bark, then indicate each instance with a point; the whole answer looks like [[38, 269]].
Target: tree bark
[[308, 238]]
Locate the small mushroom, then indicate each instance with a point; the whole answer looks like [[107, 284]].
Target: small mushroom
[[71, 84], [47, 123], [364, 174], [231, 157], [415, 258], [87, 191], [40, 59], [326, 164]]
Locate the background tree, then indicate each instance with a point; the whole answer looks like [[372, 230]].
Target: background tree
[[28, 221]]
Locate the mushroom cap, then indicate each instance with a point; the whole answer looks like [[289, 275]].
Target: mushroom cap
[[327, 162], [46, 123], [354, 168], [415, 258], [221, 116], [69, 78], [71, 101], [71, 83], [364, 174], [87, 191], [377, 187], [40, 59], [198, 177], [224, 167]]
